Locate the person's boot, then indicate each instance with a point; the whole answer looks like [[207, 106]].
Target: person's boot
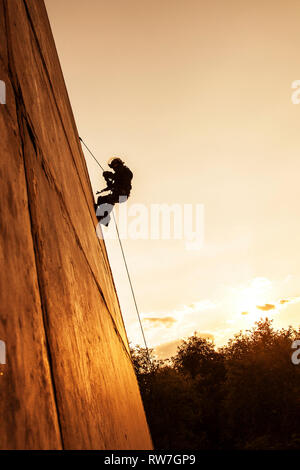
[[106, 221]]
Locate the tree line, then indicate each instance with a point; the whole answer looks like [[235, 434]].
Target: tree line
[[245, 395]]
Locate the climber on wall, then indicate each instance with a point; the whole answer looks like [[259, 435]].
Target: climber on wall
[[119, 184]]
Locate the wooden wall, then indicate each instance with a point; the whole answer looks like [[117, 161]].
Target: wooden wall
[[68, 382]]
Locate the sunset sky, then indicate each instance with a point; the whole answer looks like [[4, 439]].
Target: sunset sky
[[196, 97]]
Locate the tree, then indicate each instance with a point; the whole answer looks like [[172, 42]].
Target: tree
[[261, 405], [245, 395]]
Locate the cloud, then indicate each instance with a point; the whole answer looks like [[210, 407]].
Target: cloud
[[181, 312], [201, 305], [169, 349], [195, 307], [261, 283], [266, 307], [161, 321], [206, 336], [292, 300]]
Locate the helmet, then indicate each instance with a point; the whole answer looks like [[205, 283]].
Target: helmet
[[115, 161]]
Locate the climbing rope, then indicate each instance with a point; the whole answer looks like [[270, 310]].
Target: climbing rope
[[125, 263]]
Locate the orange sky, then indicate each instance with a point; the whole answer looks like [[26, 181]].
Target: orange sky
[[196, 96]]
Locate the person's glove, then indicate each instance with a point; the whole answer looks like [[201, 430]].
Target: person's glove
[[107, 174]]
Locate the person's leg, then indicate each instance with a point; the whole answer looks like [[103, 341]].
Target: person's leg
[[104, 209], [103, 199], [122, 198], [105, 205]]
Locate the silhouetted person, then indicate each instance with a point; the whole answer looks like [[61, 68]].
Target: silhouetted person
[[119, 184]]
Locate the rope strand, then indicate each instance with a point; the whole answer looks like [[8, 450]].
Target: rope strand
[[132, 290], [125, 263], [91, 153]]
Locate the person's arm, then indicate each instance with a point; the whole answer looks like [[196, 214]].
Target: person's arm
[[108, 176], [103, 191]]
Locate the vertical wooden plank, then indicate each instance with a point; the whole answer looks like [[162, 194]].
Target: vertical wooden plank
[[27, 406]]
